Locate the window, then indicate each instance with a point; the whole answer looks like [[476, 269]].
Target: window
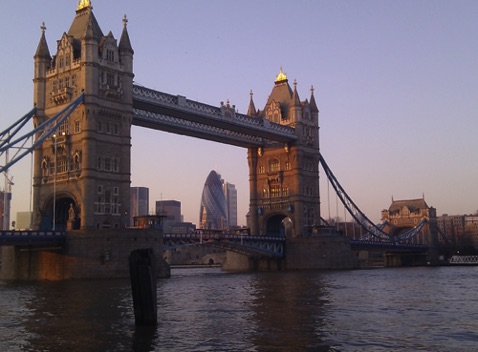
[[288, 166], [62, 165], [99, 164], [274, 165], [100, 189], [110, 55], [275, 191], [64, 128], [285, 191], [107, 164], [262, 169], [115, 165], [98, 204], [110, 79], [77, 126], [107, 205]]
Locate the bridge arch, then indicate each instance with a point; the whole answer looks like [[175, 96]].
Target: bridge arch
[[278, 225], [66, 213]]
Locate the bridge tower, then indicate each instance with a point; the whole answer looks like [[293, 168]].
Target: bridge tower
[[404, 215], [284, 179], [82, 174]]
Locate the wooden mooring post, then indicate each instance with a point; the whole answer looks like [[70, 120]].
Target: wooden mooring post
[[142, 269]]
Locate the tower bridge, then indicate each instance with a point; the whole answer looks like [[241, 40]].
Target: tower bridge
[[86, 100]]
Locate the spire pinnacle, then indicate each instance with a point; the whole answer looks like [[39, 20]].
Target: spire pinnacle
[[125, 21], [43, 28], [281, 76], [83, 4]]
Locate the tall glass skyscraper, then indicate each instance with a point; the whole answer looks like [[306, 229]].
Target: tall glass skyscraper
[[213, 211], [139, 202]]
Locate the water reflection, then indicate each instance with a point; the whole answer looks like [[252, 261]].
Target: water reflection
[[404, 309], [290, 312], [78, 316]]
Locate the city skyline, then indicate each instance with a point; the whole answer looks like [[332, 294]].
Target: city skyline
[[395, 84]]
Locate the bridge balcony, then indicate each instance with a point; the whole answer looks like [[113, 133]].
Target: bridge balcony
[[62, 95]]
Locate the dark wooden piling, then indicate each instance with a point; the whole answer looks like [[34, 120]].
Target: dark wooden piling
[[142, 269]]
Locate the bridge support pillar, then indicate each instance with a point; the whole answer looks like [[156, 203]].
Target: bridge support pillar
[[321, 252], [246, 263], [30, 263], [405, 259], [87, 254]]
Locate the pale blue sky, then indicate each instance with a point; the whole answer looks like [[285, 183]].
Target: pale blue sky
[[396, 83]]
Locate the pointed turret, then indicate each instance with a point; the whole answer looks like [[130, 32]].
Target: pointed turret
[[251, 111], [313, 104], [125, 43], [295, 110], [42, 61], [295, 96], [125, 49], [42, 50]]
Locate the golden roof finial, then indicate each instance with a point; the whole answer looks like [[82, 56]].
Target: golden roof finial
[[83, 4], [281, 76]]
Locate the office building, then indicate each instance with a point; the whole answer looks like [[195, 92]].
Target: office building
[[139, 203], [230, 193], [213, 209]]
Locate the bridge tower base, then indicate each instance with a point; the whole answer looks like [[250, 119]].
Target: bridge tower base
[[86, 254], [405, 259], [322, 252], [325, 252]]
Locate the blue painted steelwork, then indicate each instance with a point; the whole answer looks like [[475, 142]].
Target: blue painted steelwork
[[18, 238], [44, 131], [176, 114], [359, 244], [245, 244]]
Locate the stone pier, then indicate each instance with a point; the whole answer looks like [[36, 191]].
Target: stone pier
[[87, 254]]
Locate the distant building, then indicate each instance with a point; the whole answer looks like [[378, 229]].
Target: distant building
[[147, 222], [231, 199], [170, 210], [213, 209], [139, 202], [403, 215], [5, 199], [24, 219], [456, 227]]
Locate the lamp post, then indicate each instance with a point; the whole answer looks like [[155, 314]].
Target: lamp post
[[54, 184]]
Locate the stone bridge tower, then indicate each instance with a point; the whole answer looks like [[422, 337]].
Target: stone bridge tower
[[404, 215], [284, 179], [82, 173]]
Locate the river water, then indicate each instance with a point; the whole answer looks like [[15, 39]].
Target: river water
[[399, 309]]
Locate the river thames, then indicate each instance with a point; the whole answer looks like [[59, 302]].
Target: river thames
[[397, 309]]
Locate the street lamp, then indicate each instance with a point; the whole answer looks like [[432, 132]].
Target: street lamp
[[54, 184]]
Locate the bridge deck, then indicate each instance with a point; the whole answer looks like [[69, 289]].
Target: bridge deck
[[31, 238], [176, 114]]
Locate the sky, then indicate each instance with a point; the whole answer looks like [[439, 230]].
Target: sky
[[396, 83]]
